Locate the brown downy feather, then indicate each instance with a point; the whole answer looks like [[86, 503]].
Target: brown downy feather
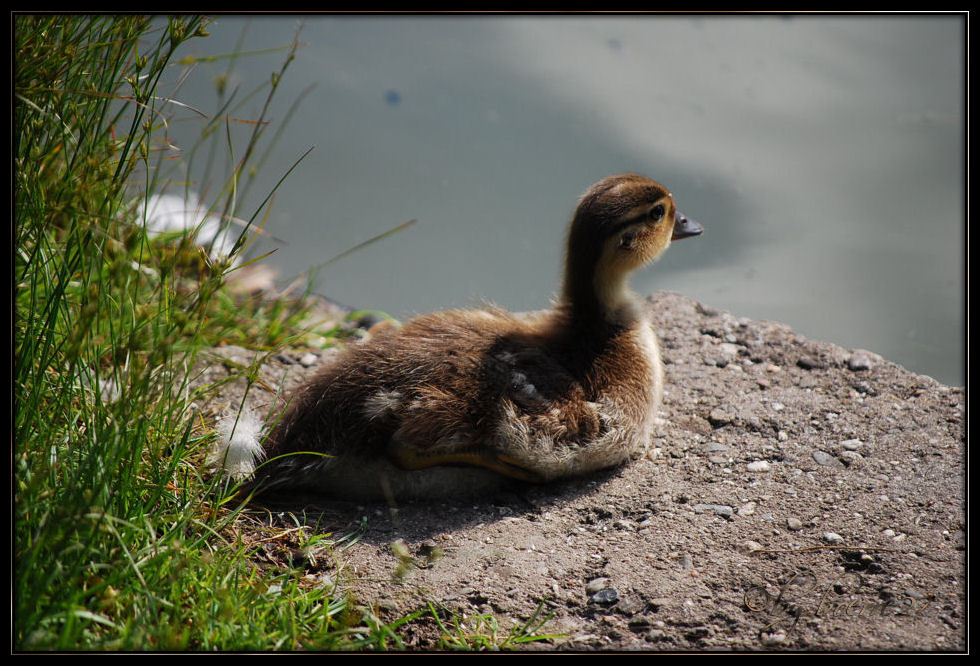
[[456, 400]]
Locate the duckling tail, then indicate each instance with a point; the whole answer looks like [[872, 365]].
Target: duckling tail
[[239, 447]]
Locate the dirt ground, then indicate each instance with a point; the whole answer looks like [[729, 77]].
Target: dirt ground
[[799, 496]]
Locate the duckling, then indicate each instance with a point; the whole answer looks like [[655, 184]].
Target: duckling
[[454, 402]]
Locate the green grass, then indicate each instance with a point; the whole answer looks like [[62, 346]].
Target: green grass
[[482, 632], [121, 542]]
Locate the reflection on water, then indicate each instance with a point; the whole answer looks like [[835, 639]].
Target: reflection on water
[[824, 156]]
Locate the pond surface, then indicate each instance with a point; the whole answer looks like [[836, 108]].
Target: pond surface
[[824, 155]]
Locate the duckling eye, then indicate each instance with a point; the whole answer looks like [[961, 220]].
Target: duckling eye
[[657, 212]]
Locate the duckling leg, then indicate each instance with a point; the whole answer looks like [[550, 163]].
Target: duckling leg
[[432, 428], [567, 438], [412, 459]]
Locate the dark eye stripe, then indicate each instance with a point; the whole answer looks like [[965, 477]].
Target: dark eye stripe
[[627, 223], [636, 219]]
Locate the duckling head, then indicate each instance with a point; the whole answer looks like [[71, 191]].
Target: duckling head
[[621, 224]]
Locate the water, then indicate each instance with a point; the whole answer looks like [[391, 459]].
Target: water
[[825, 157]]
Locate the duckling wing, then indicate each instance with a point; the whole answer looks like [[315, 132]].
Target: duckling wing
[[532, 384], [518, 411]]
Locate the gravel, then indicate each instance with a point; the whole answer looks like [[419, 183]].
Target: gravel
[[681, 570]]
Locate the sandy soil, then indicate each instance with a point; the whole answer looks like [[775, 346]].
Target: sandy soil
[[799, 496]]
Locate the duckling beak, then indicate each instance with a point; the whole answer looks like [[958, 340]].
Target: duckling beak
[[685, 226]]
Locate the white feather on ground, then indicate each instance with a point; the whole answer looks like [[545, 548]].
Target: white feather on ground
[[239, 446], [165, 213]]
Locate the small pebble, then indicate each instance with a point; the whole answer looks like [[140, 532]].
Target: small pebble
[[810, 363], [722, 355], [864, 387], [631, 605], [806, 382], [794, 524], [719, 509], [825, 459], [308, 359], [950, 622], [596, 585], [851, 457], [728, 351], [748, 547], [888, 533], [605, 597], [639, 624], [833, 538], [859, 360], [747, 509], [428, 548], [851, 444], [758, 466], [719, 417], [775, 638]]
